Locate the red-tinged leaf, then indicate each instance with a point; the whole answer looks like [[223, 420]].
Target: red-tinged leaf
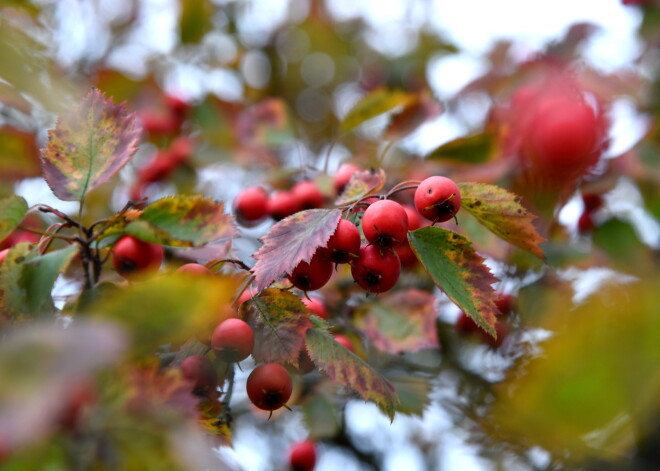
[[266, 124], [293, 240], [501, 212], [88, 146], [399, 322], [457, 269], [19, 154], [373, 104], [360, 185], [474, 149], [183, 221], [12, 212], [411, 117], [344, 367], [279, 320]]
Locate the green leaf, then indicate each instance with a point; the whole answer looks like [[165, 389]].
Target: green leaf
[[183, 221], [279, 320], [501, 212], [320, 415], [168, 309], [457, 269], [27, 279], [360, 185], [12, 212], [398, 322], [594, 392], [413, 391], [344, 367], [474, 149], [293, 240], [196, 20], [89, 146], [373, 104]]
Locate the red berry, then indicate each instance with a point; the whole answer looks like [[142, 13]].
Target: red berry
[[344, 243], [585, 223], [313, 275], [345, 341], [245, 296], [592, 201], [178, 106], [251, 204], [159, 168], [302, 456], [385, 223], [3, 255], [308, 194], [438, 199], [269, 386], [316, 306], [131, 256], [282, 204], [157, 123], [200, 372], [505, 303], [414, 220], [343, 175], [374, 271], [232, 340], [194, 269], [561, 141], [180, 149], [406, 255]]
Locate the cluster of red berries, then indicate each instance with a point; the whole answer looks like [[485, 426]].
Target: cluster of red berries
[[168, 120], [376, 264], [254, 204]]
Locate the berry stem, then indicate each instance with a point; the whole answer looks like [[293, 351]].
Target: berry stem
[[403, 186]]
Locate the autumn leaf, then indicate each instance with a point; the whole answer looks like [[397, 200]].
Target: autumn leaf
[[457, 269], [292, 240], [402, 321], [12, 212], [344, 367], [27, 279], [360, 185], [195, 20], [14, 143], [88, 146], [183, 221], [373, 104], [473, 149], [414, 113], [279, 320], [501, 212]]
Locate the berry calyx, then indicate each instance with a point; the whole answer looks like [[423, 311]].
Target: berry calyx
[[302, 456], [251, 204], [269, 386], [438, 199], [200, 372], [374, 271], [232, 340], [131, 255], [344, 243], [312, 275], [385, 223]]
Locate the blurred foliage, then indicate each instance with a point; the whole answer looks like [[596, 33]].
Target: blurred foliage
[[258, 98]]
